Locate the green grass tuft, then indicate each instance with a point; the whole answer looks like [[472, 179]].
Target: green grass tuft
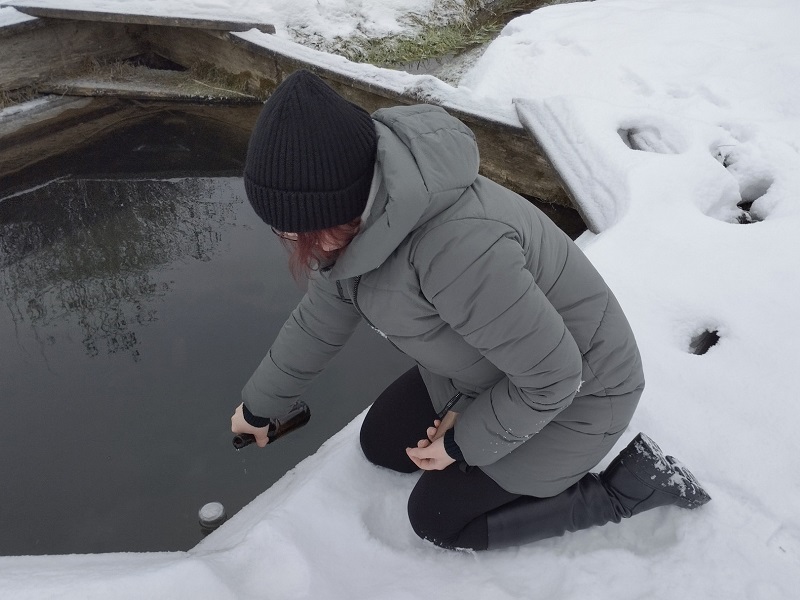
[[450, 28]]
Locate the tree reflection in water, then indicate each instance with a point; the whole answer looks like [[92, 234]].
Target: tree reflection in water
[[88, 251]]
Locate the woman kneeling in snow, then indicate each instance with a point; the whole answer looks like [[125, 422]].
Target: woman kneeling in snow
[[527, 370]]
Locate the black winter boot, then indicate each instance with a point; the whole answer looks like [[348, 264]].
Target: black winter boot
[[639, 479]]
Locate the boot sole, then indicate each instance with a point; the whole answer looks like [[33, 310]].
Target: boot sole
[[674, 478]]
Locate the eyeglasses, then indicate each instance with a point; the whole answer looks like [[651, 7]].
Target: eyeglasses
[[291, 237]]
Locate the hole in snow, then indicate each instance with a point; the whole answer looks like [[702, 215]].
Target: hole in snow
[[701, 343], [753, 178], [750, 191], [753, 189], [746, 218]]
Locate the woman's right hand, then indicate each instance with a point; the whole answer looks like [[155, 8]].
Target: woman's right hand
[[239, 425]]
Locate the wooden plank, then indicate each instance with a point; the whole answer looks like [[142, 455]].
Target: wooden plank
[[138, 19], [198, 49], [509, 155], [58, 47], [148, 84]]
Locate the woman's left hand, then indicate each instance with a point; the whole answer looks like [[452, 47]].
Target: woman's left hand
[[430, 456]]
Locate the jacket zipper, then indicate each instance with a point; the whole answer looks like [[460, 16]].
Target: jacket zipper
[[449, 406], [363, 316]]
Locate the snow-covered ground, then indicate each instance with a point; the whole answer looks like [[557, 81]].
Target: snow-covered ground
[[662, 115]]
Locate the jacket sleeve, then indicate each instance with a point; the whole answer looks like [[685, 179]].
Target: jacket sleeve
[[476, 277], [314, 333]]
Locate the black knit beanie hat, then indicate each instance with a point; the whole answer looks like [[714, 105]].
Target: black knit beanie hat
[[311, 157]]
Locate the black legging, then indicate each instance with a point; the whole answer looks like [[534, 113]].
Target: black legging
[[447, 507]]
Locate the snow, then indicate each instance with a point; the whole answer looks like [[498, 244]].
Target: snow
[[11, 16], [661, 115], [329, 19]]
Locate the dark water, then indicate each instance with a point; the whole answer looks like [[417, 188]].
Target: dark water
[[132, 311]]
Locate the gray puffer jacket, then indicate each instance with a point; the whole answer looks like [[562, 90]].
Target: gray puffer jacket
[[488, 296]]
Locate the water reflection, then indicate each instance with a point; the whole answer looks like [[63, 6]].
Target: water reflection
[[87, 251]]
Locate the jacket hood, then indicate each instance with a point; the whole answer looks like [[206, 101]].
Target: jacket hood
[[426, 160]]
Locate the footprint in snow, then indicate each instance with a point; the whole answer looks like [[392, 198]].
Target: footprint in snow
[[650, 138], [752, 175]]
